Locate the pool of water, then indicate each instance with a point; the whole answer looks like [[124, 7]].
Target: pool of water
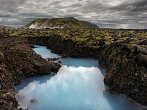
[[78, 85], [44, 52]]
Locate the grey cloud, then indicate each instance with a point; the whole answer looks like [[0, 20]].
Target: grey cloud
[[105, 13], [137, 5], [10, 5]]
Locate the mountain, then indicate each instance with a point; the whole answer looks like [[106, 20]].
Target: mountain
[[61, 23]]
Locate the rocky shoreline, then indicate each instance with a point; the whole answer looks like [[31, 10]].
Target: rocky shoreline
[[127, 71], [124, 57], [126, 65], [65, 47], [18, 61]]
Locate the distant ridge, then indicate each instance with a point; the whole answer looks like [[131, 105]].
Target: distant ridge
[[61, 23], [5, 27]]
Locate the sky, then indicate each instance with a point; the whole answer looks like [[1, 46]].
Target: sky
[[105, 13]]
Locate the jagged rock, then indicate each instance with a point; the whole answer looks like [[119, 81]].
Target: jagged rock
[[101, 42], [141, 60], [52, 59], [142, 42], [1, 57], [125, 75], [65, 47], [18, 62]]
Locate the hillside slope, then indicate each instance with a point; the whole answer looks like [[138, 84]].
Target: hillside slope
[[60, 23]]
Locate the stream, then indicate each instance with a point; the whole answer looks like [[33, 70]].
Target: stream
[[78, 85]]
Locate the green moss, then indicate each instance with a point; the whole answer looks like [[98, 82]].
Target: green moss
[[88, 37]]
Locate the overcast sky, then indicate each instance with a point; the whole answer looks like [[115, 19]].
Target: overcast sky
[[105, 13]]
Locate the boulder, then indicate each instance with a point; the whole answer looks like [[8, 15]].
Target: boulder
[[141, 60], [1, 57], [142, 42]]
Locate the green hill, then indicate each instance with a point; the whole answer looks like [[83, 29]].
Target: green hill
[[60, 23]]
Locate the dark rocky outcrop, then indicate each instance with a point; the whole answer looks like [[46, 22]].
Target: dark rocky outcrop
[[122, 52], [127, 74], [125, 62], [141, 60], [65, 47], [18, 61]]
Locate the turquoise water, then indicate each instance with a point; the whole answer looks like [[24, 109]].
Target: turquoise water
[[78, 85], [44, 52]]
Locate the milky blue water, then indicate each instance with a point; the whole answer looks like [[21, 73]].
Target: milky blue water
[[78, 85], [44, 52]]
